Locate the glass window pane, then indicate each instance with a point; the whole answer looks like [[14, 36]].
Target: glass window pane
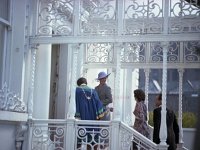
[[2, 39], [4, 4]]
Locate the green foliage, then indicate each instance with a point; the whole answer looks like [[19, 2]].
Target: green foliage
[[189, 119], [150, 118]]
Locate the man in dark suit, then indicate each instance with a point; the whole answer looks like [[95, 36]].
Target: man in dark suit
[[172, 126]]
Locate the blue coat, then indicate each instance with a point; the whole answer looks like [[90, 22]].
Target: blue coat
[[88, 104]]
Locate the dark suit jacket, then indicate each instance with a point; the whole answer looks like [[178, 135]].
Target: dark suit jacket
[[172, 128]]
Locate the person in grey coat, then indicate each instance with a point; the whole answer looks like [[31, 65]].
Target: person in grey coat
[[104, 93]]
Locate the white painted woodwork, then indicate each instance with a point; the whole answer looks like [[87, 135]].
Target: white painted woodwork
[[26, 68], [42, 82], [17, 46]]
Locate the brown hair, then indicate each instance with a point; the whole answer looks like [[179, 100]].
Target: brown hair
[[139, 94], [160, 97], [81, 81]]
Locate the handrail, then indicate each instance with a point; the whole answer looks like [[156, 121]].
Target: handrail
[[73, 131], [4, 22], [139, 137]]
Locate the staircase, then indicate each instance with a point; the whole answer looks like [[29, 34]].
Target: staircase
[[71, 134]]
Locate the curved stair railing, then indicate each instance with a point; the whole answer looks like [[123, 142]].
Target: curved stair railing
[[71, 134]]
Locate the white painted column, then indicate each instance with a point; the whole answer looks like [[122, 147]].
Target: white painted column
[[117, 101], [72, 104], [31, 82], [76, 17], [180, 145], [42, 82], [3, 55], [147, 71], [163, 126], [128, 100], [70, 135], [80, 61], [120, 16], [62, 86]]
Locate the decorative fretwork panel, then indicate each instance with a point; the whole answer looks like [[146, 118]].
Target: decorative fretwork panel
[[156, 55], [156, 52], [48, 136], [192, 51], [103, 53], [173, 54], [9, 101], [55, 17], [92, 136], [181, 8], [133, 52], [99, 53], [129, 136], [184, 17], [54, 134], [98, 17], [144, 16]]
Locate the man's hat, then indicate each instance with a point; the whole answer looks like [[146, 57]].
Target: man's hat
[[102, 75]]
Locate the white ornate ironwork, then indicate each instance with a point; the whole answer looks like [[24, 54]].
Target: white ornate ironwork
[[48, 136], [55, 17], [182, 8], [9, 101], [190, 51], [184, 17], [92, 136], [180, 71], [156, 52], [142, 17], [117, 105], [103, 53], [163, 125], [147, 72], [133, 52], [172, 53], [98, 17], [100, 53], [31, 81], [163, 20], [129, 135]]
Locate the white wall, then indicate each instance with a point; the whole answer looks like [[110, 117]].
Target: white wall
[[7, 136], [188, 137]]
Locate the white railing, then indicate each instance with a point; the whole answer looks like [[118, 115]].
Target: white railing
[[74, 134], [129, 135]]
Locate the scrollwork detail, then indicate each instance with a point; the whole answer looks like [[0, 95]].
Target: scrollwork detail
[[190, 51], [9, 101], [138, 10], [133, 52], [99, 53], [55, 17]]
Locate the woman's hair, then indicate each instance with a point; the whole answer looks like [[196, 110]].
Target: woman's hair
[[139, 95], [160, 96], [81, 81]]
